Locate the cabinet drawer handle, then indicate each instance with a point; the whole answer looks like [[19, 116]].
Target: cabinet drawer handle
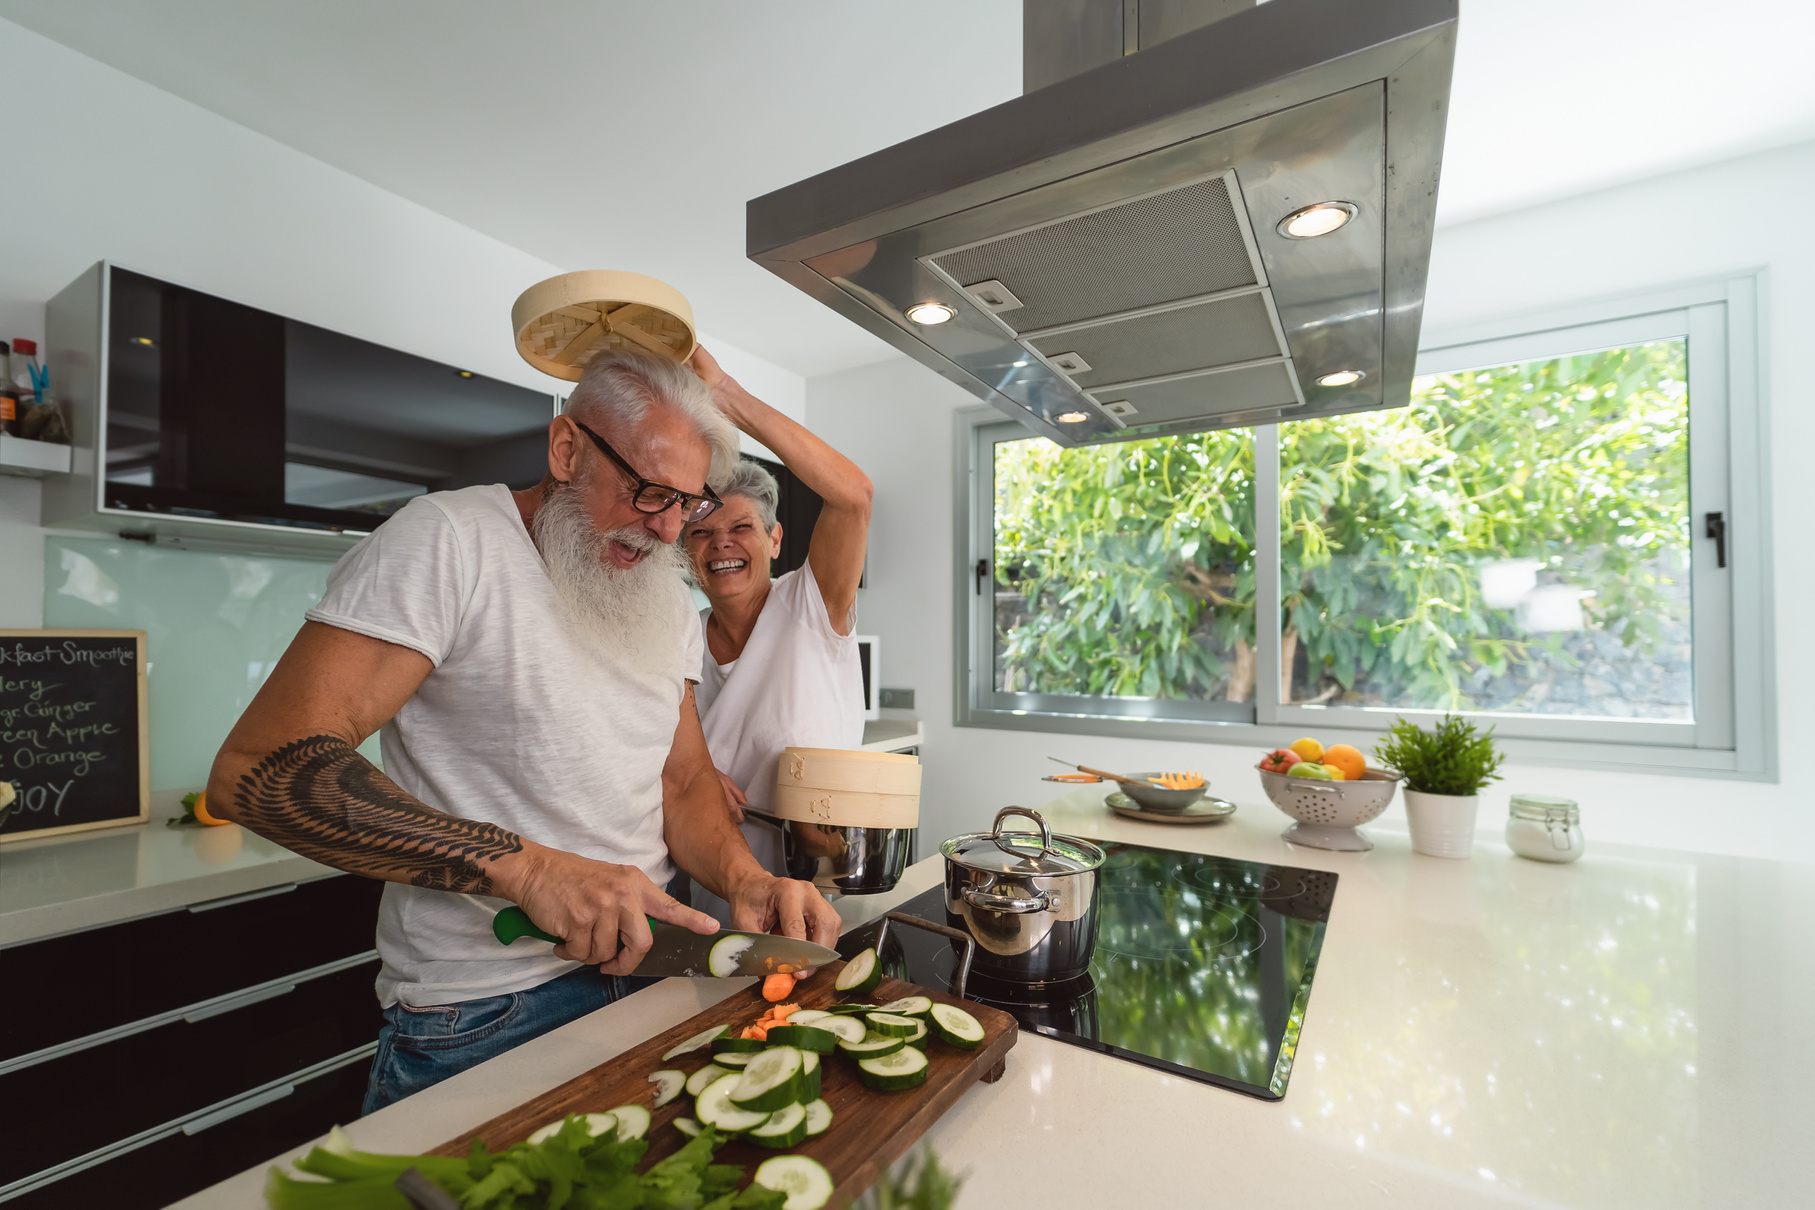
[[208, 905], [228, 1112], [238, 1002]]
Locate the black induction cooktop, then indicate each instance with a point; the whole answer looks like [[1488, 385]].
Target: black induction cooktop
[[1202, 966]]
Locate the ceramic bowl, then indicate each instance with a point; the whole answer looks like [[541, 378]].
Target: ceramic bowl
[[1160, 799]]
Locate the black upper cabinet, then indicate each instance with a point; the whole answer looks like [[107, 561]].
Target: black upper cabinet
[[219, 410]]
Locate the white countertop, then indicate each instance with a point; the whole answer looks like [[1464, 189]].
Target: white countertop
[[1618, 1033], [63, 883]]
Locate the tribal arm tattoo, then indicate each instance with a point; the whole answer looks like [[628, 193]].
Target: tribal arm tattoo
[[320, 798]]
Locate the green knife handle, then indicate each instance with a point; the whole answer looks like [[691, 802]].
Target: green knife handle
[[514, 922]]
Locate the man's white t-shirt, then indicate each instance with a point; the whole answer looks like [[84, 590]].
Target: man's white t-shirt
[[519, 724], [797, 684]]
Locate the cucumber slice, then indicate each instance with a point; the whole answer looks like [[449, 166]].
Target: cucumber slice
[[668, 1085], [860, 975], [696, 1083], [737, 1046], [847, 1029], [696, 1041], [807, 1016], [955, 1027], [737, 1059], [786, 1127], [596, 1125], [715, 1109], [841, 1010], [805, 1181], [688, 1127], [809, 1076], [804, 1037], [889, 1025], [633, 1122], [722, 958], [819, 1116], [770, 1080], [906, 1068], [908, 1006], [873, 1046], [918, 1037]]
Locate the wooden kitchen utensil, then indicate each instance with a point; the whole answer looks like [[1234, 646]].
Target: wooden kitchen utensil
[[870, 1130], [1126, 781], [566, 321]]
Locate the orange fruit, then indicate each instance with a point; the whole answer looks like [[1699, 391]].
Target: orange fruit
[[202, 816], [1349, 761], [1308, 749]]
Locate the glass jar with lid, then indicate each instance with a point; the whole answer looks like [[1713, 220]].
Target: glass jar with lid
[[1544, 828]]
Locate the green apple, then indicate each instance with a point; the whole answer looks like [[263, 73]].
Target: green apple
[[1307, 769]]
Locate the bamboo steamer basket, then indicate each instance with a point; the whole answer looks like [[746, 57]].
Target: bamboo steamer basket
[[566, 321], [847, 789]]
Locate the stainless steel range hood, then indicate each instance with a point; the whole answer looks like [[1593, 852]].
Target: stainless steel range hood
[[1110, 250]]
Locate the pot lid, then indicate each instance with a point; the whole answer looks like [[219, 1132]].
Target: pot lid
[[1040, 854]]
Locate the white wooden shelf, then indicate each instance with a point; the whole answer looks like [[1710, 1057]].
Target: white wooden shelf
[[32, 458]]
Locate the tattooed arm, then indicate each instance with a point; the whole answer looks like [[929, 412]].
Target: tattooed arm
[[289, 772]]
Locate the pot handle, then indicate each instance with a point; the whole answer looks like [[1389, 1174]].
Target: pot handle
[[967, 950], [1006, 903], [1045, 832]]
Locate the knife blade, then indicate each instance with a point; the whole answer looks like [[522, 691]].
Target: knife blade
[[683, 952]]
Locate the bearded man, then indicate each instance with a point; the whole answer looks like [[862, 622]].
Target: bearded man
[[530, 659]]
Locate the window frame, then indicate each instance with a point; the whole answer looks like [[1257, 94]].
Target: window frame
[[1734, 732]]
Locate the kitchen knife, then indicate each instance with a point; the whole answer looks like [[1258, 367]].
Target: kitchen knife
[[681, 951]]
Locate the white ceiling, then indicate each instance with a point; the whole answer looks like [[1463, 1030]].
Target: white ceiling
[[600, 133]]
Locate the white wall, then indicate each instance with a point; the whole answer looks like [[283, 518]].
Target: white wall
[[895, 420], [122, 171]]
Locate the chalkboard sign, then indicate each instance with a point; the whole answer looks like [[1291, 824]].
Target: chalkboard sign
[[72, 730]]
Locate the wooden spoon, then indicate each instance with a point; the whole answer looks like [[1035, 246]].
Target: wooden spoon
[[1126, 781]]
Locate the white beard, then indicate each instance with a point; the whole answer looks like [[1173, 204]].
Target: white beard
[[624, 611]]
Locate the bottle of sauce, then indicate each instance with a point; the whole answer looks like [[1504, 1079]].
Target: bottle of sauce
[[12, 411]]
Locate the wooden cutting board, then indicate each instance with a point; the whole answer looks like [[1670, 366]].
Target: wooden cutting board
[[870, 1130]]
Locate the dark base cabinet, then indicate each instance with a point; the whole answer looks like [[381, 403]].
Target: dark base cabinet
[[165, 1053], [174, 1167]]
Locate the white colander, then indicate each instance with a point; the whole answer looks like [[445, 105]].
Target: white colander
[[1329, 812]]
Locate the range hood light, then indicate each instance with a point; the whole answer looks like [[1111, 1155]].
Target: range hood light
[[1313, 221], [930, 313], [1341, 378], [1072, 417]]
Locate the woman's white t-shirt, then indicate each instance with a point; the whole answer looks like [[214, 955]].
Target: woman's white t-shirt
[[797, 684], [519, 724]]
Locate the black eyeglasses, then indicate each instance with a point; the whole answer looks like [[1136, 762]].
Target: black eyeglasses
[[651, 497]]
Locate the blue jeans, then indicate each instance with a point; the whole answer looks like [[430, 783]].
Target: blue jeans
[[421, 1047]]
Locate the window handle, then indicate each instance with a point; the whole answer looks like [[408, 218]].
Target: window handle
[[983, 573], [1717, 529]]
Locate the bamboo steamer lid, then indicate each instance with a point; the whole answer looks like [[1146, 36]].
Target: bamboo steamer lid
[[566, 321], [847, 789]]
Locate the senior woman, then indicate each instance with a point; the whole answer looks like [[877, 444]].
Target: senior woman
[[781, 667]]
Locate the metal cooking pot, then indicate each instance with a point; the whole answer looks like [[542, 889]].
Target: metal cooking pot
[[1029, 900], [849, 860]]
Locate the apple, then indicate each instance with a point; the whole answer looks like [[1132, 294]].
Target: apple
[[1305, 768], [1279, 760]]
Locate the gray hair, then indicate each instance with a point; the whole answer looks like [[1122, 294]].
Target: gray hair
[[754, 483], [621, 386]]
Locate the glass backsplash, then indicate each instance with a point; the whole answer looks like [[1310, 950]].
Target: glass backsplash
[[214, 625]]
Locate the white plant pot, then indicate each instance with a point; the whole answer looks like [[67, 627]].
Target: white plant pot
[[1443, 825]]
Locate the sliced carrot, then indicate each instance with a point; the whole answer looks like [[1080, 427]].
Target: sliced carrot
[[781, 1012], [778, 987]]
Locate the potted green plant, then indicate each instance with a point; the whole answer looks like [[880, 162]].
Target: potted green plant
[[1444, 770]]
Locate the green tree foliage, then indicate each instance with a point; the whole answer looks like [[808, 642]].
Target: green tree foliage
[[1128, 569]]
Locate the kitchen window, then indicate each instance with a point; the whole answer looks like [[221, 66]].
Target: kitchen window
[[1562, 535]]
